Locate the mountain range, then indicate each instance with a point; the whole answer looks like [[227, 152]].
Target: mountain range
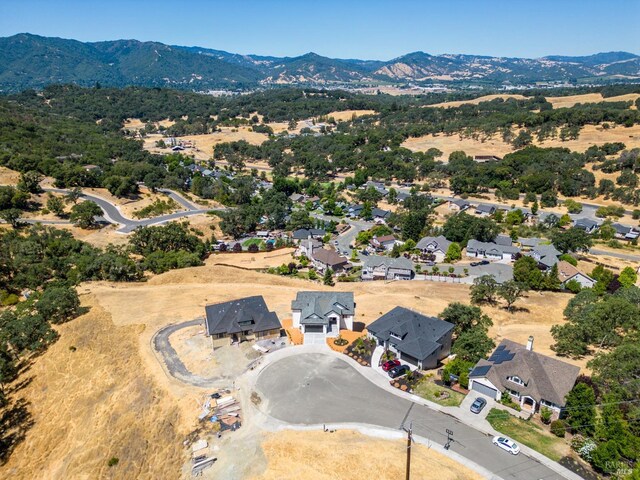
[[32, 61]]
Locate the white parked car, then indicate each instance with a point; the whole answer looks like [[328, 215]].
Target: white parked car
[[507, 444]]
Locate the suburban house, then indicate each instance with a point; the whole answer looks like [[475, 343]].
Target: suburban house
[[296, 197], [485, 210], [458, 205], [304, 233], [240, 320], [417, 339], [379, 215], [504, 240], [436, 246], [384, 242], [323, 312], [529, 243], [586, 224], [376, 267], [323, 258], [354, 210], [545, 255], [491, 250], [567, 272], [307, 246], [625, 232], [533, 380], [378, 186]]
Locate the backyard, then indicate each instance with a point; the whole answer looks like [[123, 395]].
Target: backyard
[[528, 433]]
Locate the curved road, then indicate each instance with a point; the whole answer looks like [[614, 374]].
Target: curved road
[[314, 389], [113, 215]]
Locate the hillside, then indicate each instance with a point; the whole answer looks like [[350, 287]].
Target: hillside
[[32, 61]]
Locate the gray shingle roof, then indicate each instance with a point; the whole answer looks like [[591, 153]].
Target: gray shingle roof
[[250, 313], [461, 203], [373, 261], [378, 212], [530, 242], [303, 233], [585, 223], [503, 240], [485, 208], [434, 243], [476, 246], [419, 335], [315, 306], [546, 378]]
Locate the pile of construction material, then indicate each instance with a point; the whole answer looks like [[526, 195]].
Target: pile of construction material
[[199, 457], [227, 413]]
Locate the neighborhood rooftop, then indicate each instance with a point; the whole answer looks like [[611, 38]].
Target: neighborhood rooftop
[[235, 316]]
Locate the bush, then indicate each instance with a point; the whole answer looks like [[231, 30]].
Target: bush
[[545, 415], [573, 286], [113, 461], [569, 259], [7, 299], [341, 342], [558, 428]]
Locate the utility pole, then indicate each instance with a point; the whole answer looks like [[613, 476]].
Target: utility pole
[[409, 440]]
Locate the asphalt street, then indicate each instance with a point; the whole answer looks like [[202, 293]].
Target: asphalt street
[[312, 389]]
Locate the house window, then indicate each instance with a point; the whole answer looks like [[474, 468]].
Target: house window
[[516, 379], [395, 335], [549, 404], [513, 393]]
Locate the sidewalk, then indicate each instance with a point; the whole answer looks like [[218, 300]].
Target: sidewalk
[[476, 422]]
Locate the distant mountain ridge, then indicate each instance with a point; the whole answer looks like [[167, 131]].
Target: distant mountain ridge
[[32, 61]]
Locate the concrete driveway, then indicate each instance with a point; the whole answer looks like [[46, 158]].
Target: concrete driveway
[[311, 389]]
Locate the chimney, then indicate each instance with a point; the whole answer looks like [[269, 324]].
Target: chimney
[[530, 343]]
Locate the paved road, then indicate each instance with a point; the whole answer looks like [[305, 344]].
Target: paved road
[[113, 215], [314, 389], [625, 256]]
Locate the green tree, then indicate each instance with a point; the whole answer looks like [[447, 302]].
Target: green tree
[[328, 277], [58, 304], [56, 205], [527, 272], [572, 206], [628, 277], [511, 291], [30, 182], [454, 252], [580, 409], [484, 290], [514, 217], [73, 195], [465, 317], [572, 240], [83, 214], [11, 216], [472, 345]]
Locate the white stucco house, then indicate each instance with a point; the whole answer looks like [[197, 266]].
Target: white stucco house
[[491, 250], [323, 312], [436, 246]]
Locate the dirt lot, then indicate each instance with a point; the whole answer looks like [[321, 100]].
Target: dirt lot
[[347, 455], [347, 115], [476, 101], [8, 177]]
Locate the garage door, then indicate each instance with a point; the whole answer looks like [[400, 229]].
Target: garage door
[[314, 329], [483, 389], [409, 359]]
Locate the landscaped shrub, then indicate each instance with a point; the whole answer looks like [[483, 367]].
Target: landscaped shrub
[[573, 286], [341, 342], [545, 415], [558, 428], [507, 401]]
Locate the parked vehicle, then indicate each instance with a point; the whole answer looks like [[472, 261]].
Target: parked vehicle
[[399, 371], [386, 366], [507, 444], [364, 252], [477, 405], [481, 262]]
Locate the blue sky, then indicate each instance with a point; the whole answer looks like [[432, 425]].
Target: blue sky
[[371, 29]]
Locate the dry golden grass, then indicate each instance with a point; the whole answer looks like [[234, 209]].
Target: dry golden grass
[[94, 403], [254, 260], [137, 124], [589, 135], [347, 115], [8, 176], [571, 100], [476, 101], [348, 454]]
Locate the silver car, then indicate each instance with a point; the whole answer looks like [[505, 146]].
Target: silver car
[[478, 404]]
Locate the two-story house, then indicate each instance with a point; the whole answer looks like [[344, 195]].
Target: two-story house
[[376, 267], [323, 312]]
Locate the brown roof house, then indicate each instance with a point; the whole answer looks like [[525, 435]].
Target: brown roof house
[[533, 380], [323, 258], [567, 272]]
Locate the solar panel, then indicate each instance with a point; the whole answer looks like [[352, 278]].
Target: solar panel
[[501, 355], [480, 371]]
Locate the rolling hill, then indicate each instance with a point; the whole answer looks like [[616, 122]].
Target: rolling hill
[[32, 61]]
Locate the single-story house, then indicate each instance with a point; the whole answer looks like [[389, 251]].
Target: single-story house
[[402, 196], [384, 242], [323, 258], [529, 243], [304, 233], [567, 272], [491, 250], [376, 267], [586, 224], [240, 320], [378, 186], [545, 255], [354, 210], [625, 232], [533, 380], [458, 205], [486, 158], [485, 210], [323, 312], [504, 240], [379, 215], [436, 246], [296, 197], [417, 339]]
